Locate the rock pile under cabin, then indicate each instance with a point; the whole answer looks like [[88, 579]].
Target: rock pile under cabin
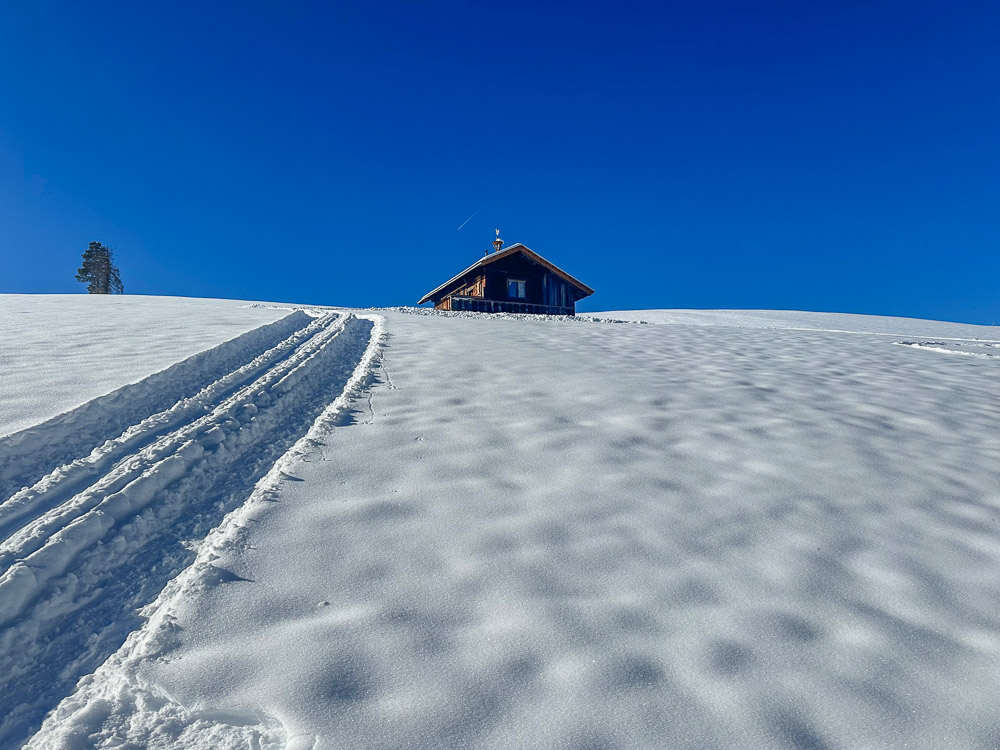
[[512, 279]]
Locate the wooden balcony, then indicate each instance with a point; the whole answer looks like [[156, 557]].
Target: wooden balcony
[[478, 304]]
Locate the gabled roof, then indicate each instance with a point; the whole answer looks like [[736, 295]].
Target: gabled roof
[[517, 247]]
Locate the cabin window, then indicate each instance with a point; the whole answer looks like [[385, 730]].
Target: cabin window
[[515, 288]]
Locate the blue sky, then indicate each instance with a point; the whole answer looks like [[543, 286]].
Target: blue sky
[[839, 156]]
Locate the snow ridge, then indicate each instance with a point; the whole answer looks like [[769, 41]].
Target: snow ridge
[[30, 454], [960, 347], [134, 500]]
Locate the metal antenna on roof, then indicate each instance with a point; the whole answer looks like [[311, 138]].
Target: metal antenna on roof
[[497, 243]]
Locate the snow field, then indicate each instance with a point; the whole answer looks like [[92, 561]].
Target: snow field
[[794, 320], [95, 539], [59, 351], [560, 534], [30, 454]]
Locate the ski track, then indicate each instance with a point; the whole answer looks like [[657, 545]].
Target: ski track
[[28, 455], [98, 537], [67, 480]]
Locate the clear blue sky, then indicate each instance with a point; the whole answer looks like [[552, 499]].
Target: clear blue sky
[[839, 155]]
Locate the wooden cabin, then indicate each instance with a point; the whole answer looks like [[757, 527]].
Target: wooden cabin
[[514, 279]]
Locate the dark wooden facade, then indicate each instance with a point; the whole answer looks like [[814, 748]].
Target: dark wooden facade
[[515, 279]]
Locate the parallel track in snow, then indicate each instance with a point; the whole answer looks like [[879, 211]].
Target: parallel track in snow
[[29, 455], [98, 537]]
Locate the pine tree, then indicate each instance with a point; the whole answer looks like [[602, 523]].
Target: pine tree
[[115, 285], [90, 268], [99, 271]]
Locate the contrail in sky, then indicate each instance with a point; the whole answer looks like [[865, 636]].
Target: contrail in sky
[[470, 218]]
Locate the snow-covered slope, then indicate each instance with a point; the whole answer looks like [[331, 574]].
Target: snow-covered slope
[[61, 350], [117, 490], [557, 534], [814, 321]]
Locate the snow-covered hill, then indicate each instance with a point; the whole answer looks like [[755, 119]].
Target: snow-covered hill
[[386, 529], [60, 351]]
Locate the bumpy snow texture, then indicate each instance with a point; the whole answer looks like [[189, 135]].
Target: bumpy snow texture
[[394, 530]]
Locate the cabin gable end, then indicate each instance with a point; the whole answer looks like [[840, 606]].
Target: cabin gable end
[[514, 279]]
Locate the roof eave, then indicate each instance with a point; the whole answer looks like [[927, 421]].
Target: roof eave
[[481, 262], [559, 272]]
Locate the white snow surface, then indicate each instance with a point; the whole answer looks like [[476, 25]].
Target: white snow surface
[[813, 321], [58, 351], [719, 529]]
